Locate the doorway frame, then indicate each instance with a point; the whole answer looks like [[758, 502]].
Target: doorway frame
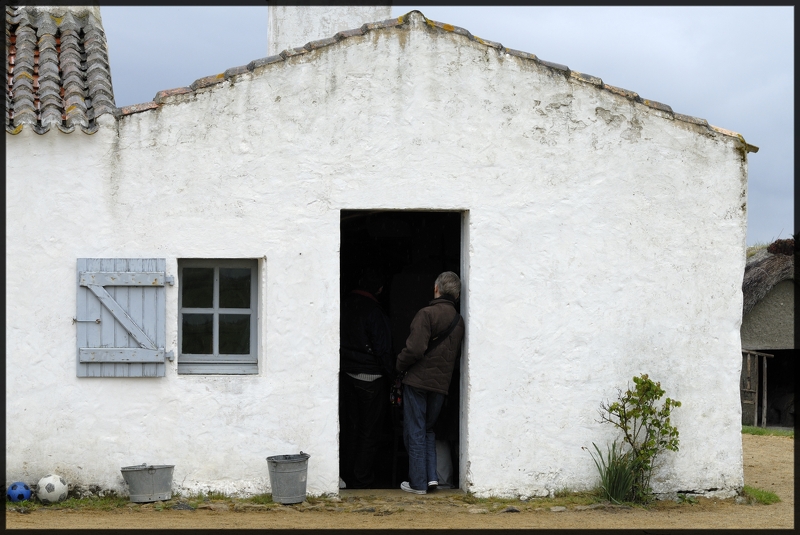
[[464, 260]]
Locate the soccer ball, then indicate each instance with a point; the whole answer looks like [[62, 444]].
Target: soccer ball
[[52, 488], [18, 492]]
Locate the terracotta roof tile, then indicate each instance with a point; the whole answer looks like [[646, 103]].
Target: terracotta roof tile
[[486, 42], [388, 23], [137, 108], [161, 95], [454, 29], [264, 61], [556, 66], [594, 80], [57, 71], [631, 95], [291, 52], [521, 54], [320, 43], [207, 81], [657, 105], [690, 119], [344, 34], [235, 71]]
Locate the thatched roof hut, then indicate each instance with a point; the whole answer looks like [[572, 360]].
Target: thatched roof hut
[[764, 270]]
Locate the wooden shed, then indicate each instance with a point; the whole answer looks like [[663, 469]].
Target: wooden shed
[[768, 359]]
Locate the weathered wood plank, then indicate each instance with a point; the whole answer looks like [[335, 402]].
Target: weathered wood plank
[[120, 278], [120, 355], [121, 316]]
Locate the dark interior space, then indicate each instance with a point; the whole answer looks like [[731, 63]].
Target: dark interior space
[[409, 249], [781, 374]]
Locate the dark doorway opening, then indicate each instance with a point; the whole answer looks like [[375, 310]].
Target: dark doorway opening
[[781, 370], [409, 249]]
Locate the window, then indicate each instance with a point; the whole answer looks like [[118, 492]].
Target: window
[[217, 320]]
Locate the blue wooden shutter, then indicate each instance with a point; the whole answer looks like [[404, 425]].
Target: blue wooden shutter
[[121, 317]]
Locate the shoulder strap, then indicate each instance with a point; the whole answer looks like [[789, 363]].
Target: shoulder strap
[[436, 340]]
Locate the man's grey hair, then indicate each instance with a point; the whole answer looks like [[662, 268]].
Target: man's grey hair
[[449, 283]]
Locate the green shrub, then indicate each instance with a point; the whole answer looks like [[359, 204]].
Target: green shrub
[[645, 426], [617, 473]]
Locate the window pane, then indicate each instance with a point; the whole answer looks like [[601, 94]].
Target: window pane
[[197, 287], [234, 287], [198, 334], [234, 334]]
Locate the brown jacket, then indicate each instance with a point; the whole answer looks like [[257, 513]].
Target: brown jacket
[[431, 371]]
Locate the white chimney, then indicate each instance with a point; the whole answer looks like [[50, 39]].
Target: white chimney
[[294, 26]]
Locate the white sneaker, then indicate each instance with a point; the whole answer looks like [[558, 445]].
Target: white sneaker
[[433, 483], [407, 487]]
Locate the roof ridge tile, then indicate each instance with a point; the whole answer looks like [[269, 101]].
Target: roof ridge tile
[[594, 80], [207, 81], [555, 66], [345, 34], [691, 119], [161, 96], [521, 54], [264, 61], [320, 43], [657, 105], [291, 52], [630, 95], [489, 43], [235, 71]]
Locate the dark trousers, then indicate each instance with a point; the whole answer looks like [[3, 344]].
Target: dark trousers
[[362, 410]]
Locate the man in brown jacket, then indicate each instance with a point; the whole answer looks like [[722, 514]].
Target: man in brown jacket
[[428, 358]]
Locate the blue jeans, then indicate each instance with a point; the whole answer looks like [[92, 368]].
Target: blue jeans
[[421, 408]]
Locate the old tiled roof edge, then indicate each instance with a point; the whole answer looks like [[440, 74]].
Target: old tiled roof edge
[[57, 71], [162, 97]]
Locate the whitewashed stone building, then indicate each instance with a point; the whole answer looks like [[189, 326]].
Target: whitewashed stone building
[[599, 235]]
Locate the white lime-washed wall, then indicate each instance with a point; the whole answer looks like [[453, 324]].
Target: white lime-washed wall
[[293, 26], [604, 239]]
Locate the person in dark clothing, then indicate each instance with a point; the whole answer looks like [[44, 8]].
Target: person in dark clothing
[[366, 371], [427, 379]]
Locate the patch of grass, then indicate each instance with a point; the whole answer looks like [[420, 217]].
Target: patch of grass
[[95, 503], [571, 498], [753, 249], [260, 499], [563, 497], [751, 430], [472, 499], [562, 493], [759, 495]]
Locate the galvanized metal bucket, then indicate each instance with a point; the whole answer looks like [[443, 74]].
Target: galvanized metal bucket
[[287, 477], [149, 483]]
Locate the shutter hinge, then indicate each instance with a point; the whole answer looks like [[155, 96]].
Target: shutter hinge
[[170, 279], [170, 355], [76, 320]]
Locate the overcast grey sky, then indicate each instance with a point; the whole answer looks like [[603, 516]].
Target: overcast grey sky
[[733, 66]]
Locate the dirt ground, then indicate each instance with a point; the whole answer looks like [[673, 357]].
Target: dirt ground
[[768, 465]]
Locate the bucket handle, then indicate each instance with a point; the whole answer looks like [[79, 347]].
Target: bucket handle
[[301, 453]]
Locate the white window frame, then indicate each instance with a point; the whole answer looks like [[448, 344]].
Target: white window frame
[[215, 363]]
